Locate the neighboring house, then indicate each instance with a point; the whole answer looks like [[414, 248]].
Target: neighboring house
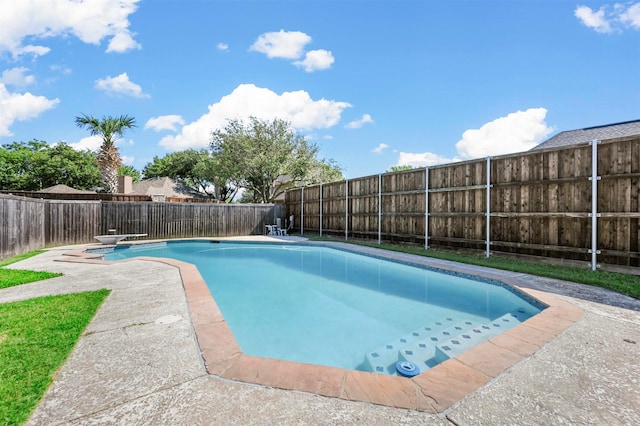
[[607, 131], [64, 189], [164, 189]]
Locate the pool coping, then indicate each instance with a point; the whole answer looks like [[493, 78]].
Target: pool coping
[[433, 391]]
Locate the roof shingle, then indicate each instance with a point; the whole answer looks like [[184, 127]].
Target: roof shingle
[[608, 131]]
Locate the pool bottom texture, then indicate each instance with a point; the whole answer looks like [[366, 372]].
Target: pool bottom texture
[[332, 307]]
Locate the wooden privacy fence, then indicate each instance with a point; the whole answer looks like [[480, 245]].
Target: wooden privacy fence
[[180, 220], [580, 204], [29, 224], [21, 225]]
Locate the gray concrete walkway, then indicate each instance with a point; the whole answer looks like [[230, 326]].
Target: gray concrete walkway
[[138, 363]]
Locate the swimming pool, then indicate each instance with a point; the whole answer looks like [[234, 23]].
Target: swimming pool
[[332, 307]]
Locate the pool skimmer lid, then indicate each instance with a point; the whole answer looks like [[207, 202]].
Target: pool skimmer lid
[[407, 369]]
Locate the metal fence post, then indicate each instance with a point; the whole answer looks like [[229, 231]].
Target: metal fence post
[[346, 209], [488, 221], [379, 208], [321, 210], [302, 213], [594, 204], [426, 208]]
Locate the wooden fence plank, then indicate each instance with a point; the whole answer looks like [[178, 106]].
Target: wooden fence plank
[[539, 200], [22, 225]]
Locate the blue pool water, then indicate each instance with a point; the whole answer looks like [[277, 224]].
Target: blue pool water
[[332, 307]]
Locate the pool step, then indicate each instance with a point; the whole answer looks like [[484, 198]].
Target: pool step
[[460, 343], [383, 359], [437, 342], [424, 353], [522, 314]]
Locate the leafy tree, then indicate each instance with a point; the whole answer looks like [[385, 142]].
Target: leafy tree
[[224, 188], [35, 165], [110, 129], [403, 168], [127, 170], [14, 163], [324, 171], [195, 169], [159, 167], [264, 157], [249, 197]]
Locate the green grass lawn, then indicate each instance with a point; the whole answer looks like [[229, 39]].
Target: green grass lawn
[[622, 283], [36, 337], [11, 277]]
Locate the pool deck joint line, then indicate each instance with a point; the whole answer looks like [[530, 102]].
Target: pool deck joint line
[[432, 391]]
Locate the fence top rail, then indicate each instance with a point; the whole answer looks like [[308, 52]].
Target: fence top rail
[[9, 196], [51, 201]]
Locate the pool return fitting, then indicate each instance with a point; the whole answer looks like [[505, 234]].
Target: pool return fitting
[[407, 369]]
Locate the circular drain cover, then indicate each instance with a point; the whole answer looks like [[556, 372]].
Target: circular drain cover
[[168, 319], [407, 369]]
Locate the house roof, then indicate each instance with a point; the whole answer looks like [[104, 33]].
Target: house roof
[[64, 189], [607, 131], [163, 186]]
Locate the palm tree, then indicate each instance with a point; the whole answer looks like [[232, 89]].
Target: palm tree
[[110, 129]]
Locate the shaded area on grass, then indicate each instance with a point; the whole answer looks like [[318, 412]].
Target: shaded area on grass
[[13, 277], [36, 337], [626, 284]]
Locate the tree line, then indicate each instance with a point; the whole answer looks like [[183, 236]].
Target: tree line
[[259, 158]]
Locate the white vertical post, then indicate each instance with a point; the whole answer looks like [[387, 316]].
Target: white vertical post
[[321, 210], [594, 204], [488, 220], [346, 209], [379, 208], [302, 213], [426, 208]]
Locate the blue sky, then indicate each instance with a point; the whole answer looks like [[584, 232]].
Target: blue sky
[[373, 83]]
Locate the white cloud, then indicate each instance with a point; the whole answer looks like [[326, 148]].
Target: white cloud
[[422, 159], [20, 107], [28, 50], [222, 46], [356, 124], [315, 60], [591, 19], [283, 44], [610, 18], [62, 69], [291, 45], [248, 100], [17, 77], [380, 148], [631, 16], [122, 42], [127, 159], [91, 143], [517, 132], [89, 21], [164, 122], [120, 85]]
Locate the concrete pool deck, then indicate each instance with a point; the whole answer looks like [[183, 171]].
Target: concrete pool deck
[[158, 352]]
